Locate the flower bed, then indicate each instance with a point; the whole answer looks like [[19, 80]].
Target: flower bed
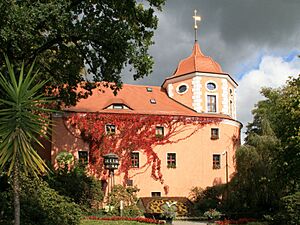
[[137, 219], [153, 205], [239, 221]]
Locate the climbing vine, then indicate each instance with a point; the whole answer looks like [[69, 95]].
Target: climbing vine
[[133, 132]]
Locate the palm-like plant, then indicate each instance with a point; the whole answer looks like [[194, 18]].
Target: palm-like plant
[[22, 122]]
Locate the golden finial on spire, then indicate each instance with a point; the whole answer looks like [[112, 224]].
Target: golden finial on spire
[[196, 18]]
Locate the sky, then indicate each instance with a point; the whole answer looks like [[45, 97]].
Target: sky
[[256, 41]]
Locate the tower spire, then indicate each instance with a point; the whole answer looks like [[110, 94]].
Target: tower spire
[[196, 18]]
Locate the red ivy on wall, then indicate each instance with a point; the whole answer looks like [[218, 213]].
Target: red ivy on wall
[[134, 132]]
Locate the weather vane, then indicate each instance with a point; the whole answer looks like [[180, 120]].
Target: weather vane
[[196, 18]]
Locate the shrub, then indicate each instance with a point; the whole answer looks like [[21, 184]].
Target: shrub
[[210, 198], [76, 184], [40, 205], [212, 214], [290, 210], [128, 196]]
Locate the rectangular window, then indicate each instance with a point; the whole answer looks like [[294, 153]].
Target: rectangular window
[[171, 160], [216, 161], [159, 131], [230, 107], [155, 194], [211, 103], [214, 133], [135, 161], [129, 183], [83, 157], [110, 129]]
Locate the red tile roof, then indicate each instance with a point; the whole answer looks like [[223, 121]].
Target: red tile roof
[[197, 62], [137, 99]]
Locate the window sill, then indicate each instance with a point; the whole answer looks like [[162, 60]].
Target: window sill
[[214, 138], [171, 167]]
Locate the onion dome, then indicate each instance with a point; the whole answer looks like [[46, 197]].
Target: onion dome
[[197, 62]]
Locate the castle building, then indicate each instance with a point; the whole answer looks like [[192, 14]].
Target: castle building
[[197, 156]]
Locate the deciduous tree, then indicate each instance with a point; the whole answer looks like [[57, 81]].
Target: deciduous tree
[[65, 36]]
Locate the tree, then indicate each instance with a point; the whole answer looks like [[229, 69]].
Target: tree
[[282, 109], [65, 36], [22, 122], [268, 164], [255, 187]]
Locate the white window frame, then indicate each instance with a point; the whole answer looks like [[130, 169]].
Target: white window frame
[[217, 102]]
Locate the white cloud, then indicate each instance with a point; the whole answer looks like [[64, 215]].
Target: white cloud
[[272, 72]]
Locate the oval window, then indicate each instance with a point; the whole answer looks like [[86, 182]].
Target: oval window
[[211, 86], [182, 88]]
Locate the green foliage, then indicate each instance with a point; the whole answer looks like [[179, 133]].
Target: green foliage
[[209, 198], [212, 214], [65, 35], [128, 196], [282, 109], [22, 120], [290, 210], [40, 205], [268, 164], [64, 159], [6, 208], [76, 184]]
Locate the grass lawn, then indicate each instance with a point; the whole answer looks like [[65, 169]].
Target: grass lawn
[[104, 222]]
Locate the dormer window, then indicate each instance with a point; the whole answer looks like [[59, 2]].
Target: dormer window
[[149, 89], [152, 101], [118, 106]]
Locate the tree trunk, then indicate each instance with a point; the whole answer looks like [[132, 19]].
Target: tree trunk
[[16, 189]]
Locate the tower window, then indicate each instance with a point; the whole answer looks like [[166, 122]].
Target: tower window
[[110, 129], [216, 161], [211, 86], [211, 103], [171, 160], [214, 133], [230, 107], [135, 160], [182, 88]]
